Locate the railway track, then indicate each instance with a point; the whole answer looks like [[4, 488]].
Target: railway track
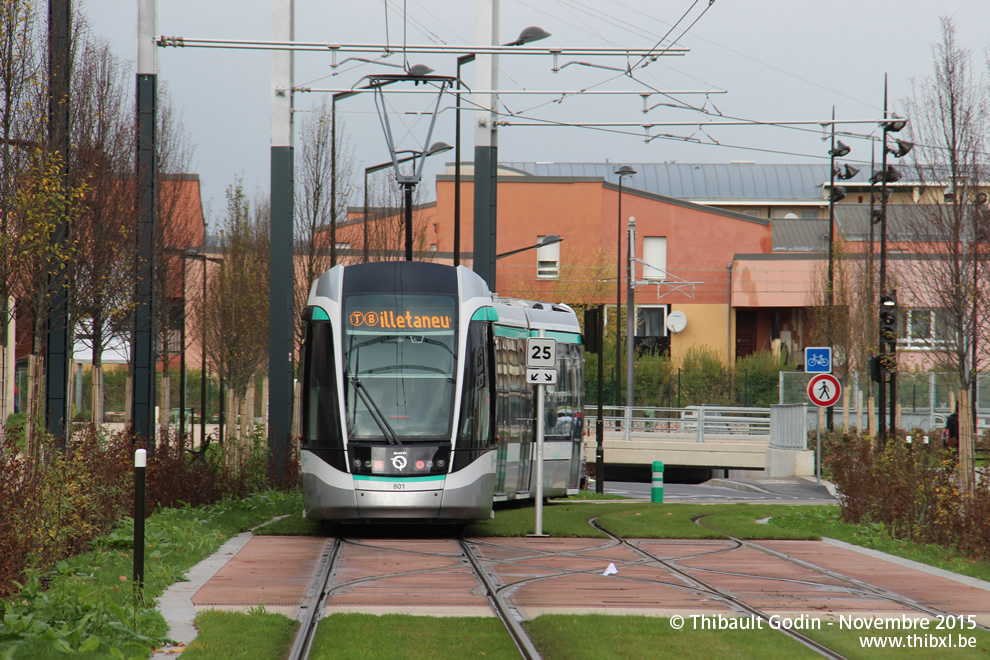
[[322, 586], [852, 583], [519, 576]]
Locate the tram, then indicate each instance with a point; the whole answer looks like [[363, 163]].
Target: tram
[[415, 406]]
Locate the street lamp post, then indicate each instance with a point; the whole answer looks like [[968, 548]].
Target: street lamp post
[[891, 124], [835, 194], [622, 171], [528, 35], [549, 239], [630, 316], [435, 148], [978, 202]]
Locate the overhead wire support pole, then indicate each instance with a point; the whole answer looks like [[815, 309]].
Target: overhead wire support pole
[[280, 313], [58, 347], [143, 348]]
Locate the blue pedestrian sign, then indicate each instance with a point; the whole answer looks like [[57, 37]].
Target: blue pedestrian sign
[[818, 359]]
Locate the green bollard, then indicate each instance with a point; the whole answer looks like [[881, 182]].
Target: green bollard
[[656, 493]]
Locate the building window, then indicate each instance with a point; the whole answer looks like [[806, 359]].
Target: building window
[[655, 257], [809, 215], [651, 321], [922, 328], [433, 247], [547, 261]]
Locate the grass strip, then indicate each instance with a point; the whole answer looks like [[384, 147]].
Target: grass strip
[[359, 636], [241, 636], [596, 636]]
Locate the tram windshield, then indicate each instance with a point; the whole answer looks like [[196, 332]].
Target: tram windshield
[[400, 355]]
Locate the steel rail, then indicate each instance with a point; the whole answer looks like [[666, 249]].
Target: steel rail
[[502, 609], [880, 592], [865, 587], [309, 612], [733, 601]]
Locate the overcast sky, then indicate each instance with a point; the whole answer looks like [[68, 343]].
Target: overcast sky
[[776, 60]]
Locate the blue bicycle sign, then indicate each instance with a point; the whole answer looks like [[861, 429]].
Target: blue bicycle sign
[[818, 359]]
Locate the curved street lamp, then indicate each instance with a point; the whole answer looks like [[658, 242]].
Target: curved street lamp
[[528, 35], [549, 239], [622, 171]]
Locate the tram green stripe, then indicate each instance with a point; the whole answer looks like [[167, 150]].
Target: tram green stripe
[[505, 331], [485, 314], [320, 314], [364, 477], [565, 337]]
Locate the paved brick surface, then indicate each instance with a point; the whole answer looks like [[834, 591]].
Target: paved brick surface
[[269, 570], [919, 586], [541, 575], [404, 575]]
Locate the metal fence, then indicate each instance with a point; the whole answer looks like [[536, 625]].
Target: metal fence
[[789, 426], [924, 398], [692, 422]]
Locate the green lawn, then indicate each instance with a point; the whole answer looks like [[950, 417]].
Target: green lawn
[[592, 637], [236, 635], [359, 636]]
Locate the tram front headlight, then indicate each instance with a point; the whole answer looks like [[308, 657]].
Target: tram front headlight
[[441, 463], [357, 463]]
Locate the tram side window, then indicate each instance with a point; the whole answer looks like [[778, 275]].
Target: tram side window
[[476, 401], [564, 411], [321, 419]]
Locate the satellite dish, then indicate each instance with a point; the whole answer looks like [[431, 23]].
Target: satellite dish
[[676, 321]]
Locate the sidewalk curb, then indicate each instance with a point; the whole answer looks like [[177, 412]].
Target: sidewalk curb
[[175, 604]]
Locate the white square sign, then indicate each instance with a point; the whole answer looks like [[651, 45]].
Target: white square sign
[[541, 353]]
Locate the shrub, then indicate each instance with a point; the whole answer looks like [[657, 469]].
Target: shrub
[[756, 379], [911, 490], [703, 377], [52, 508]]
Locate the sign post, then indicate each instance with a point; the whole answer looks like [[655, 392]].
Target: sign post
[[541, 363], [824, 391]]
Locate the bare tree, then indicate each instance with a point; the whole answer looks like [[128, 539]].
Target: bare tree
[[174, 231], [949, 127], [235, 313], [101, 278], [384, 225], [316, 221]]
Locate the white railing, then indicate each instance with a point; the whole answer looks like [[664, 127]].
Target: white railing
[[697, 422]]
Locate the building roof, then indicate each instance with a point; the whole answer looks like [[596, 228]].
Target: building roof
[[905, 222], [739, 181], [800, 235]]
